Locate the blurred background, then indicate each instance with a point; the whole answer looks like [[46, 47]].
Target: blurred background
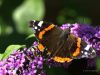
[[16, 14]]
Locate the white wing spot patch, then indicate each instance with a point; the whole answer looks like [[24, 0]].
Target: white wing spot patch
[[38, 29], [40, 23], [81, 51], [93, 51], [87, 47], [85, 53], [35, 27]]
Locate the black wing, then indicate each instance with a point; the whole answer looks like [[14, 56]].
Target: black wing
[[57, 42], [63, 44]]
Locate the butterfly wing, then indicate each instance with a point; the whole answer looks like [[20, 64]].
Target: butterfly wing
[[86, 51], [63, 44], [59, 44], [80, 49]]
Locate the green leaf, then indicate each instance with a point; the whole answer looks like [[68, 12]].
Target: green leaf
[[84, 20], [98, 63], [28, 10], [1, 56], [1, 2], [10, 49], [5, 29], [30, 36]]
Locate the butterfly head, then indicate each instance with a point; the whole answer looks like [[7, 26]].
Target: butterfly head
[[36, 25]]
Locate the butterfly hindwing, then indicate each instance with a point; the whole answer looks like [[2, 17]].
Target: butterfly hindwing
[[80, 49]]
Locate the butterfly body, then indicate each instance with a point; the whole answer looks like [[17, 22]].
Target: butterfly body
[[61, 45]]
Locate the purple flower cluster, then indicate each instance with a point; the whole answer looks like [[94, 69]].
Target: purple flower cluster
[[22, 62], [12, 63], [97, 31], [88, 33], [28, 61]]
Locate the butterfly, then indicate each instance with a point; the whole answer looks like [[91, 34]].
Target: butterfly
[[60, 45]]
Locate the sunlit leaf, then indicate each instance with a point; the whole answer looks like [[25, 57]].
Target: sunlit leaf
[[10, 49], [1, 56], [30, 36], [28, 10]]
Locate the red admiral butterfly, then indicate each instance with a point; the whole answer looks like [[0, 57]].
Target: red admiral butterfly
[[61, 45]]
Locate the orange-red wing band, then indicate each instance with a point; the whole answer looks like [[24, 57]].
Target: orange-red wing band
[[77, 51], [40, 47], [45, 30], [61, 59]]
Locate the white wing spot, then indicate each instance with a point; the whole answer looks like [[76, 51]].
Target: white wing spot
[[93, 51], [83, 56], [81, 51], [85, 53], [38, 29], [40, 23], [35, 27], [87, 47]]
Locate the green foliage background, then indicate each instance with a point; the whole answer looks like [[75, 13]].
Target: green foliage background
[[16, 14]]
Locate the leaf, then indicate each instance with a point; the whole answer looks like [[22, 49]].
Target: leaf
[[28, 10], [30, 36], [5, 29], [1, 56], [10, 49], [84, 20], [98, 63]]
